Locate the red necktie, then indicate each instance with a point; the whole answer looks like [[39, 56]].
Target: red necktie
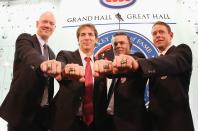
[[88, 97]]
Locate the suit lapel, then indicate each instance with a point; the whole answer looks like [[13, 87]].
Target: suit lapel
[[36, 44], [77, 57], [112, 88], [170, 50], [51, 54], [38, 47]]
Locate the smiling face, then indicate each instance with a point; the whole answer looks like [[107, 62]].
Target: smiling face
[[46, 25], [121, 44], [161, 36], [87, 39]]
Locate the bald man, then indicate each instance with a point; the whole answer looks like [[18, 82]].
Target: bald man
[[26, 106]]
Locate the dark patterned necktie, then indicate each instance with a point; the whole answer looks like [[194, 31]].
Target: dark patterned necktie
[[111, 89], [88, 97], [45, 51], [45, 93]]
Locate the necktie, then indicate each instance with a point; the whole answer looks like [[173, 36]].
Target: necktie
[[45, 51], [88, 97], [45, 93], [146, 95], [111, 89], [110, 97]]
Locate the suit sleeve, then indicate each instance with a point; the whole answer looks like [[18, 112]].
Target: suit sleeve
[[177, 62], [63, 57], [25, 50], [51, 54]]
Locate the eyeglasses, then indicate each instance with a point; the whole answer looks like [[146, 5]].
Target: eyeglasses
[[119, 42]]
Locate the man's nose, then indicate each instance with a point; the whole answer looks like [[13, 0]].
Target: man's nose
[[158, 34]]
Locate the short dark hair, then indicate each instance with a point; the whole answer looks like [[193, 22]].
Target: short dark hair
[[164, 24], [92, 26], [125, 34]]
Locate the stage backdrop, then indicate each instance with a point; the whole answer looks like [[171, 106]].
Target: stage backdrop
[[134, 17]]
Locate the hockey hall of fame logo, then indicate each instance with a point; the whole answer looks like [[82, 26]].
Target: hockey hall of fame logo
[[104, 49]]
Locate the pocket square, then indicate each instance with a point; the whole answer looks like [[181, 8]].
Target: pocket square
[[123, 79], [163, 77]]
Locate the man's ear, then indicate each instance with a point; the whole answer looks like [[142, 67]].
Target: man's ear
[[171, 34]]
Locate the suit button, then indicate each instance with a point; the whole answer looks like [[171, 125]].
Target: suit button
[[80, 98], [32, 67]]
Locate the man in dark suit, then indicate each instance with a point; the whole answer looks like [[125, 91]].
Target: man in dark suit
[[25, 107], [169, 79], [126, 108], [68, 112]]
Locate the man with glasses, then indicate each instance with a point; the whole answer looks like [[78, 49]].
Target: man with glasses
[[126, 109]]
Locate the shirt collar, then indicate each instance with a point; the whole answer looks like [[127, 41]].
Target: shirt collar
[[41, 41], [164, 52], [83, 55]]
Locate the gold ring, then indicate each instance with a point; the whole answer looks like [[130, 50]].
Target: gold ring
[[106, 66], [71, 70], [123, 61], [49, 66]]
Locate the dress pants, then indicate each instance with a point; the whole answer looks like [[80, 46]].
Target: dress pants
[[79, 125], [40, 122], [110, 125]]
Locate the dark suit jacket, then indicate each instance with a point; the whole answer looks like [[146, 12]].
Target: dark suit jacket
[[129, 107], [169, 108], [69, 97], [24, 97]]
